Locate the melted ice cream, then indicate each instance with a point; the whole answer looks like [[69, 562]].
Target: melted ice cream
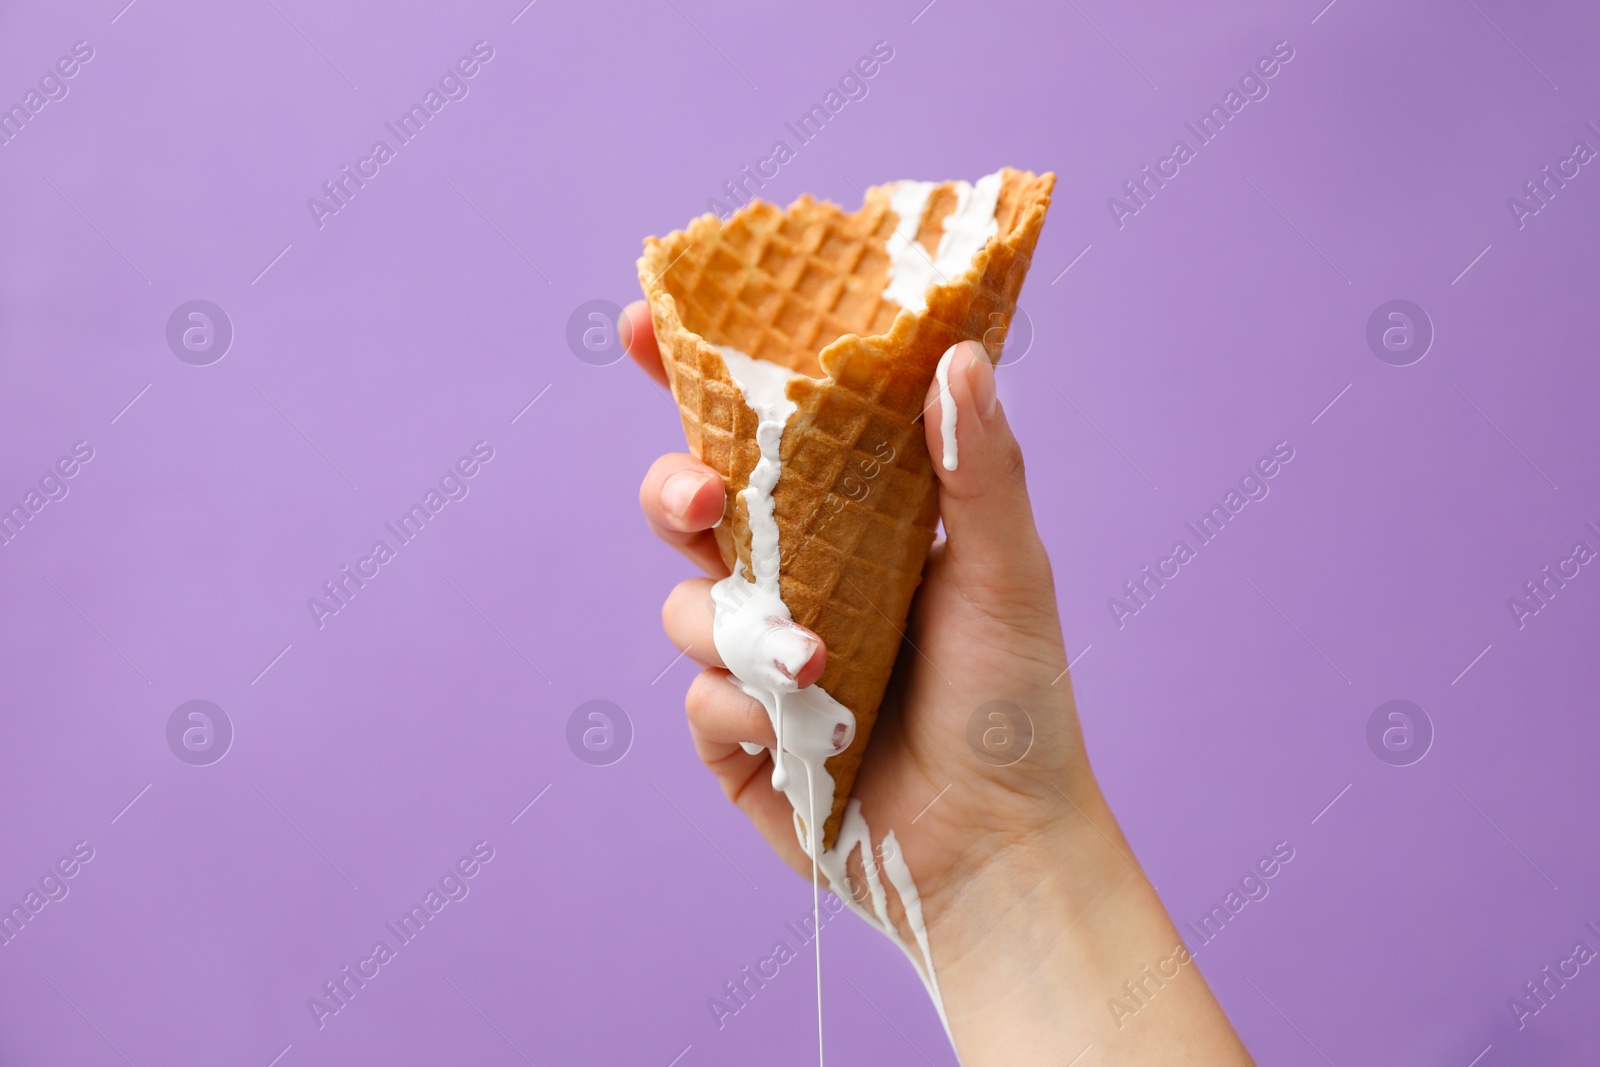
[[755, 633], [947, 409], [753, 629], [756, 637], [911, 269]]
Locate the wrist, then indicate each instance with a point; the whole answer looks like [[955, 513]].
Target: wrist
[[1037, 901], [1037, 949]]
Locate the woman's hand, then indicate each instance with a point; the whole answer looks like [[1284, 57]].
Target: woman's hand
[[976, 762]]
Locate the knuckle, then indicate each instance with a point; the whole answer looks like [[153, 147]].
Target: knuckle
[[1013, 468], [697, 701], [650, 487], [672, 610], [644, 491], [684, 591]]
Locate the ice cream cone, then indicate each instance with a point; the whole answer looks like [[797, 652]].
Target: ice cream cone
[[857, 500]]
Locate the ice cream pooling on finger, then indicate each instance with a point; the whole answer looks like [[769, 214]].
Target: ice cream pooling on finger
[[753, 629]]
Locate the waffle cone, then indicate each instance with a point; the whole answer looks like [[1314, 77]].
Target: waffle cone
[[857, 501]]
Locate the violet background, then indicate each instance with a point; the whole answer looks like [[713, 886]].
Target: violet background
[[424, 317]]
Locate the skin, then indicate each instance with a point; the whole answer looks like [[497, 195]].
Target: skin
[[1037, 912]]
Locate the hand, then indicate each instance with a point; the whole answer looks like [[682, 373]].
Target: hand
[[1019, 857]]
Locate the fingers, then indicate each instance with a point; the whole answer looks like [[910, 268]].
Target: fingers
[[983, 502], [638, 336], [721, 717], [682, 499], [722, 713], [687, 618]]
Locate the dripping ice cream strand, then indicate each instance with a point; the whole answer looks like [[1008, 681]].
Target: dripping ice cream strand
[[894, 865], [756, 637], [815, 849], [854, 833], [753, 628], [947, 409]]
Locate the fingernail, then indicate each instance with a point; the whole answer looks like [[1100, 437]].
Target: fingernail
[[980, 377], [678, 493], [790, 648]]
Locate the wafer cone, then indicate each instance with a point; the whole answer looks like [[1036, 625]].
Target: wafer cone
[[857, 501]]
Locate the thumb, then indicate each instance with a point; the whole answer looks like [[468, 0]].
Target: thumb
[[991, 539]]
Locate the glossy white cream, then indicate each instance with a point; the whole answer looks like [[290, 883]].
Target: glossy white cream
[[755, 633], [911, 269], [947, 410]]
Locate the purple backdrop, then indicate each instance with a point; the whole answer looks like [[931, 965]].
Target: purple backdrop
[[1176, 339]]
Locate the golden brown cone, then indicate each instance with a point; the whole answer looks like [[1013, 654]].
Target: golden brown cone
[[857, 501]]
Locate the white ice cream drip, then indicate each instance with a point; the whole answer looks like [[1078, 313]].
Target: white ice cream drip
[[755, 633]]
